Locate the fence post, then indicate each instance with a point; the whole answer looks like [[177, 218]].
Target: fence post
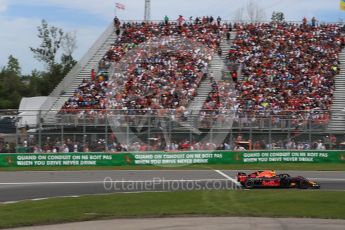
[[84, 130], [127, 134], [231, 139], [106, 133], [251, 131], [170, 129], [62, 134], [17, 137], [190, 130], [40, 129], [289, 128], [309, 127], [149, 133], [270, 131]]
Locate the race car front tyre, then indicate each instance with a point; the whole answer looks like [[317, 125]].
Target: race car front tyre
[[302, 185], [249, 184]]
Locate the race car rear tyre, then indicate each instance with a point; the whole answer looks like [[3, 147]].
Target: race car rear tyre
[[249, 184], [284, 176]]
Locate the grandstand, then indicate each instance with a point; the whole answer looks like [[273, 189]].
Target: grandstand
[[201, 84]]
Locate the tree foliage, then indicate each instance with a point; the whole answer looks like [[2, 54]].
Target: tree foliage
[[69, 43], [278, 17], [13, 65], [11, 86], [55, 51], [51, 39]]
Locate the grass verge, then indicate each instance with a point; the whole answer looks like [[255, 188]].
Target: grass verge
[[275, 166], [258, 203]]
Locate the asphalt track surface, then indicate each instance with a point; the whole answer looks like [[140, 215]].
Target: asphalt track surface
[[18, 186], [204, 223]]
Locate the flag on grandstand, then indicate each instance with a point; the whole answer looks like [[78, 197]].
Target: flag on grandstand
[[120, 6], [342, 5]]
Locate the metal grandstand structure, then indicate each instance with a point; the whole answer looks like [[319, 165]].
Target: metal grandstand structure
[[86, 130]]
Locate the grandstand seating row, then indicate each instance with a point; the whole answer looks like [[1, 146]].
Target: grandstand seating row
[[286, 67]]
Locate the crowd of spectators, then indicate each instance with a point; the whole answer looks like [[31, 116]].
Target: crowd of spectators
[[287, 73], [162, 77], [7, 147], [90, 95], [161, 66], [218, 107], [286, 68]]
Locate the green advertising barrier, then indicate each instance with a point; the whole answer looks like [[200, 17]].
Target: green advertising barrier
[[169, 158]]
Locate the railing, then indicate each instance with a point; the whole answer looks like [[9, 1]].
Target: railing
[[160, 129], [207, 121], [244, 119], [227, 21]]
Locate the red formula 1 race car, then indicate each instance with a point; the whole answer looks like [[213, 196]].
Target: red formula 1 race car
[[269, 179]]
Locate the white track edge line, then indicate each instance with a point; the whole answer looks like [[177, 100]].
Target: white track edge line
[[77, 196], [327, 179], [228, 177], [157, 180]]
